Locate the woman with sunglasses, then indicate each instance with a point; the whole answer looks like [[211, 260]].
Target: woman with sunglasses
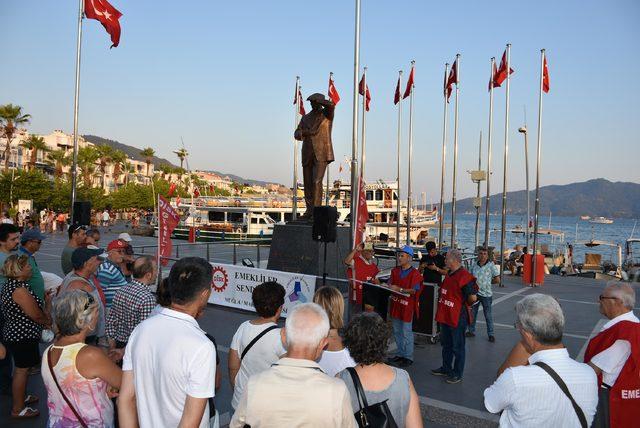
[[25, 316], [80, 379]]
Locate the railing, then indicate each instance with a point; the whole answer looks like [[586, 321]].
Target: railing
[[143, 249]]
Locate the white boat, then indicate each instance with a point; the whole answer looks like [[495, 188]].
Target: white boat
[[601, 220], [585, 217]]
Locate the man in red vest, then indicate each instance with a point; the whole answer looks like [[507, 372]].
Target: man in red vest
[[406, 279], [457, 294], [362, 266], [615, 356]]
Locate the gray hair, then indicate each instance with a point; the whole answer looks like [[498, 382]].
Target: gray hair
[[307, 324], [541, 315], [142, 266], [72, 311], [623, 292], [455, 254]]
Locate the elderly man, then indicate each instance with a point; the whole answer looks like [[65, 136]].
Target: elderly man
[[457, 294], [486, 273], [314, 130], [295, 392], [30, 242], [109, 274], [169, 365], [615, 356], [363, 269], [132, 304], [553, 390], [77, 238]]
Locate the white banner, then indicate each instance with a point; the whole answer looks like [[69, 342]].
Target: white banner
[[232, 286]]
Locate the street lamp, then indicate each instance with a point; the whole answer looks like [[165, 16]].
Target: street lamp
[[523, 130]]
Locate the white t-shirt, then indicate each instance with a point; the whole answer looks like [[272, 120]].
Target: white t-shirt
[[333, 362], [105, 216], [262, 354], [171, 358]]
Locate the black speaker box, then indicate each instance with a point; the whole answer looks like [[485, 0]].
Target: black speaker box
[[324, 223], [82, 213]]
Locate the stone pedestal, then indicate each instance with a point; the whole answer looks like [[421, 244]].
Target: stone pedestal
[[293, 250]]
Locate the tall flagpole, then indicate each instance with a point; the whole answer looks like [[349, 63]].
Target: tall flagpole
[[455, 155], [363, 155], [444, 157], [326, 193], [478, 193], [409, 202], [354, 128], [537, 207], [76, 100], [505, 162], [294, 211], [398, 200], [488, 198]]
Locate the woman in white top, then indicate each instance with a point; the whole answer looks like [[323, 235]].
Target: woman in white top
[[245, 361], [336, 357]]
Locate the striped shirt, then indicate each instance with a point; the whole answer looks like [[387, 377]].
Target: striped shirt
[[111, 279], [529, 397], [132, 304]]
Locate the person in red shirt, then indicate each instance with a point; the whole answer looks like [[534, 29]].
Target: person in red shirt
[[457, 294], [407, 279], [360, 262]]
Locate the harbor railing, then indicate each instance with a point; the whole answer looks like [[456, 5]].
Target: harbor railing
[[208, 250]]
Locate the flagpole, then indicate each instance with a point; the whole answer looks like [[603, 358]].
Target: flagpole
[[76, 100], [488, 198], [398, 200], [505, 161], [159, 278], [455, 156], [296, 109], [409, 202], [354, 128], [363, 155], [478, 193], [326, 193], [537, 207], [444, 157]]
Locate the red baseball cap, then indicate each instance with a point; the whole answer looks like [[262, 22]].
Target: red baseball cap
[[116, 244]]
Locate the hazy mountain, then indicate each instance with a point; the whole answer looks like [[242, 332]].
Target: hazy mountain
[[597, 197]]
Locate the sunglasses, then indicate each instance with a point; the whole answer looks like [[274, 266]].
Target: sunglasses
[[601, 297], [90, 301], [77, 227]]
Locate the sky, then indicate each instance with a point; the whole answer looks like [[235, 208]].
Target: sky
[[220, 75]]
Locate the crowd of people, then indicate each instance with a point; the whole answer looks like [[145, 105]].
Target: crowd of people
[[120, 355]]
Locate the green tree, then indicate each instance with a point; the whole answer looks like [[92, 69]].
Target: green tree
[[182, 155], [105, 157], [59, 159], [165, 170], [35, 144], [118, 158], [21, 184], [147, 153], [87, 158], [10, 118]]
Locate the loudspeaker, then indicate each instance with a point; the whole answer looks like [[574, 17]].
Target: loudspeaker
[[324, 223], [82, 213]]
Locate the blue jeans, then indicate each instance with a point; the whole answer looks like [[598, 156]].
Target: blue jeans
[[452, 340], [403, 333], [486, 309]]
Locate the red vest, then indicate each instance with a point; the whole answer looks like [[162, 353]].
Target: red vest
[[403, 308], [451, 300], [364, 273], [624, 396]]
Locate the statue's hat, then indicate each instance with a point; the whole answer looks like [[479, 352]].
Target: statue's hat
[[317, 98]]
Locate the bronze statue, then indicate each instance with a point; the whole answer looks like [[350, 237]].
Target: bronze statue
[[314, 131]]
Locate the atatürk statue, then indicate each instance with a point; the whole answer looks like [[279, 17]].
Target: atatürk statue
[[314, 131]]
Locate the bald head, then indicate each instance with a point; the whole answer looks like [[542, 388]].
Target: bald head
[[144, 269]]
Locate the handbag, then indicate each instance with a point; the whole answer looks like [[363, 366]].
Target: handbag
[[55, 379], [376, 415], [565, 389]]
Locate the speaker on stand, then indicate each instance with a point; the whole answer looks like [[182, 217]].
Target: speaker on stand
[[325, 219], [82, 213]]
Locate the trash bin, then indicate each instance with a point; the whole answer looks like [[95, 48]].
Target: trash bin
[[528, 268]]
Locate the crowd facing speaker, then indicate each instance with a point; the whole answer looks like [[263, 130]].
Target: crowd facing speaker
[[82, 213], [325, 219]]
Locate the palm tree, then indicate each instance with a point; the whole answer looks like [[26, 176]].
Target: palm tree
[[10, 117], [59, 159], [105, 153], [164, 170], [182, 155], [147, 153], [118, 158], [35, 144], [87, 158], [127, 169]]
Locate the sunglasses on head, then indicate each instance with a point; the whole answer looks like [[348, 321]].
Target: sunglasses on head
[[77, 227], [90, 301]]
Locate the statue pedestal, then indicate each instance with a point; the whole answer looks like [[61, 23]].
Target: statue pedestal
[[293, 250]]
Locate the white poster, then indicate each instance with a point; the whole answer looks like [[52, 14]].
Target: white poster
[[232, 286]]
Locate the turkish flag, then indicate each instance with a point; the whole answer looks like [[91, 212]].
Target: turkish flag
[[363, 214], [172, 189], [196, 193], [409, 87], [501, 74], [168, 219], [396, 97], [453, 79], [363, 89], [492, 79], [108, 16], [545, 76], [301, 105], [211, 188], [333, 92]]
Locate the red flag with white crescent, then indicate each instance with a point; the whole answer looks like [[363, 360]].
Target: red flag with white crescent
[[363, 89], [545, 76], [333, 92], [301, 104], [410, 82], [363, 214], [168, 219], [172, 190], [501, 74], [451, 80], [396, 97], [108, 16]]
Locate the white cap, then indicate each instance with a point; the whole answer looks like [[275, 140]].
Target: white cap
[[125, 237]]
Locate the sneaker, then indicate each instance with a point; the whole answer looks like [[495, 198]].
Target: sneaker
[[470, 334], [453, 379], [492, 339], [439, 372], [404, 362]]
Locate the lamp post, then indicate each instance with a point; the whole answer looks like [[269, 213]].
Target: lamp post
[[523, 130]]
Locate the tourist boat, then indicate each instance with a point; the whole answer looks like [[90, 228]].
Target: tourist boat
[[601, 220], [631, 264], [593, 265], [585, 217]]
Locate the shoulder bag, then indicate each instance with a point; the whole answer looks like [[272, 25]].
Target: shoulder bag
[[563, 387], [255, 339], [55, 379], [376, 415]]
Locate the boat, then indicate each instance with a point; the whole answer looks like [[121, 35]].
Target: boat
[[585, 217], [593, 265], [631, 264], [601, 220]]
